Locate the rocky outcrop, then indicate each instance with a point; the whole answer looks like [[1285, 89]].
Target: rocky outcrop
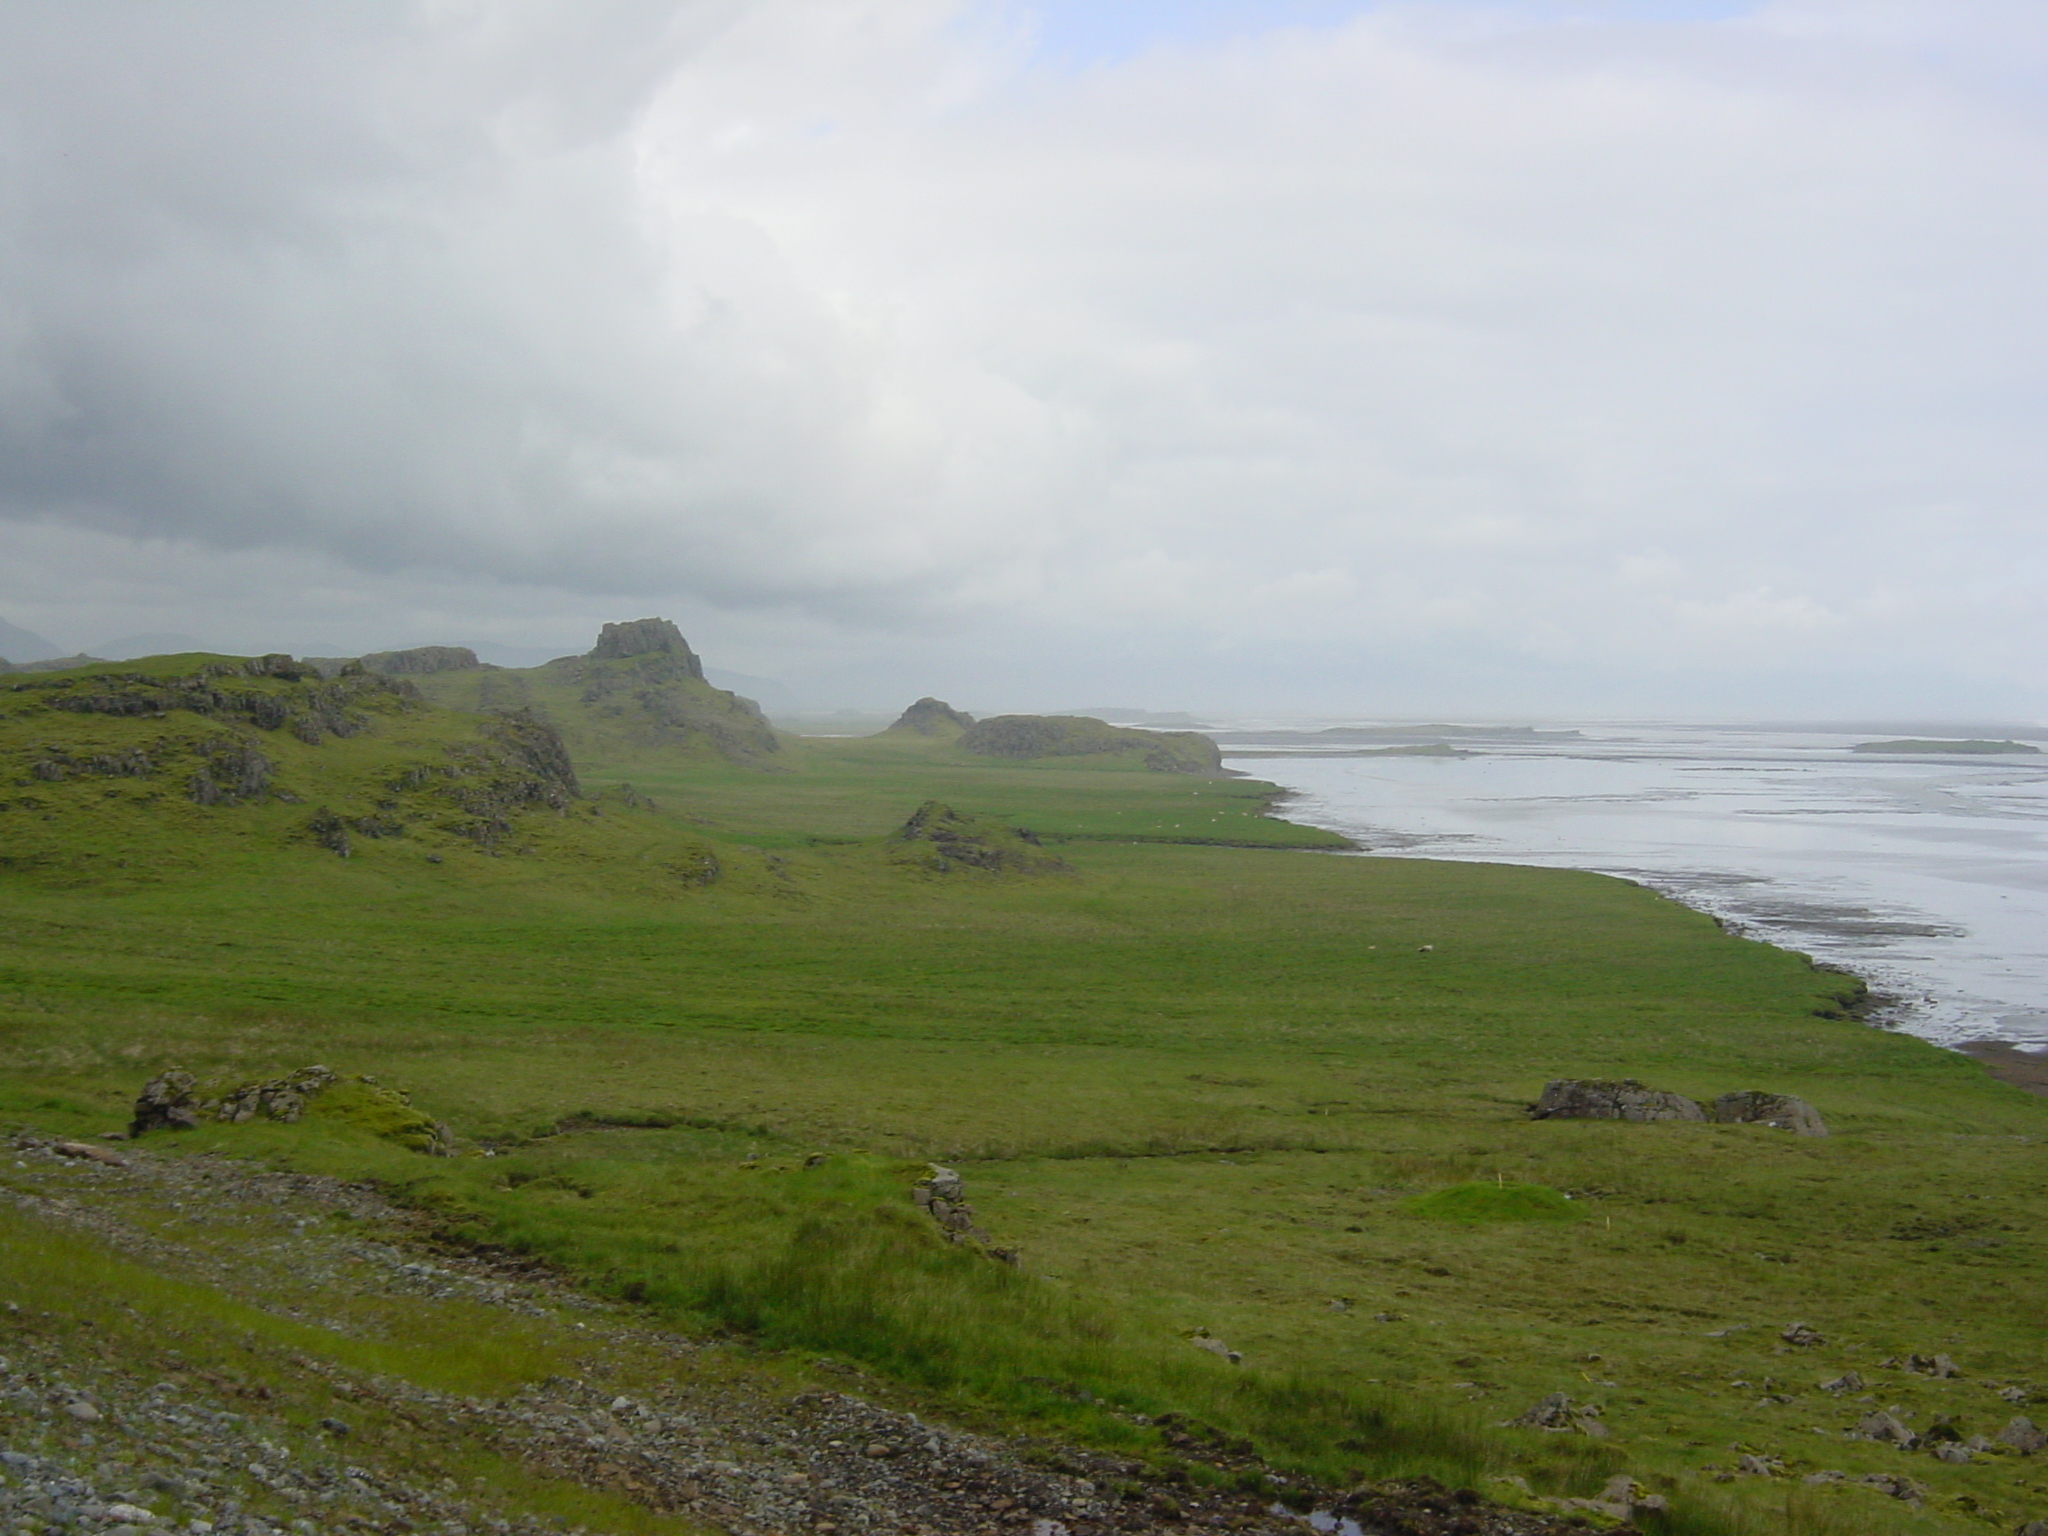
[[942, 1195], [940, 840], [1575, 1098], [1558, 1412], [1779, 1110], [930, 717], [313, 709], [646, 637], [1030, 736], [174, 1100], [421, 660]]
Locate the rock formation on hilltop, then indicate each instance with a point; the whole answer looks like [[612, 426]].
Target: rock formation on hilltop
[[1027, 736], [640, 688], [647, 637], [931, 717]]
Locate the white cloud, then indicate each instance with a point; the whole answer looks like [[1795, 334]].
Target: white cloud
[[845, 322]]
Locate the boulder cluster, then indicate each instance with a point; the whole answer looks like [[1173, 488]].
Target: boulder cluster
[[1575, 1098]]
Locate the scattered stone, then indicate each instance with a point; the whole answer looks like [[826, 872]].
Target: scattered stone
[[1801, 1336], [88, 1151], [1778, 1110], [1843, 1385], [84, 1412], [1560, 1414], [129, 1514], [1938, 1366], [1898, 1487], [1960, 1454], [1216, 1347], [1888, 1429], [1759, 1466], [173, 1100], [1572, 1098], [2022, 1436], [2015, 1394], [1822, 1479]]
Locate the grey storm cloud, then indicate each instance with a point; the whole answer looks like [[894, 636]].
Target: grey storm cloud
[[1443, 336]]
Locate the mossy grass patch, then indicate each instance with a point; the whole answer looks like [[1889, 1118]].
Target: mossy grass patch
[[1483, 1201]]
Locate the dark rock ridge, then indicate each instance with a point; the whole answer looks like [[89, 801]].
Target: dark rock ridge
[[940, 840], [422, 660], [1029, 736], [1573, 1098], [317, 709], [931, 717]]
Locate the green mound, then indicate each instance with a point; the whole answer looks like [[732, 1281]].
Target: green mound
[[1035, 736], [1962, 748], [939, 840], [1494, 1202]]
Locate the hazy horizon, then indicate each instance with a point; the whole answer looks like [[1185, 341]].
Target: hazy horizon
[[1650, 359]]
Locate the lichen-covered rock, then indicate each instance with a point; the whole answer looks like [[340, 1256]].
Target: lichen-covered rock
[[1577, 1098], [1779, 1110]]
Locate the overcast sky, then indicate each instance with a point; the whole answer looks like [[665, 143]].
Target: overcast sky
[[1678, 358]]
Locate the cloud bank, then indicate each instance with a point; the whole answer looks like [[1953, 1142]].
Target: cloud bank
[[1426, 357]]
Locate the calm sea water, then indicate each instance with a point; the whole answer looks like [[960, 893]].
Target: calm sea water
[[1926, 876]]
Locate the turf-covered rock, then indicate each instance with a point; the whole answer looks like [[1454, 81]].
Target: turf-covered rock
[[940, 840]]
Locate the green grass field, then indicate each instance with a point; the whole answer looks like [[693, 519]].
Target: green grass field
[[1207, 1080]]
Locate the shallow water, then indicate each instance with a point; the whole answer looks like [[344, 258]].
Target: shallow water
[[1926, 876]]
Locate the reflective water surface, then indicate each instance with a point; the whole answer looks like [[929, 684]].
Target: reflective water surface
[[1927, 876]]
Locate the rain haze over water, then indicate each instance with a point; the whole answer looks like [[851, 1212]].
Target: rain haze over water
[[1924, 875]]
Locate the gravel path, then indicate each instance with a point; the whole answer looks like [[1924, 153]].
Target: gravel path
[[106, 1427]]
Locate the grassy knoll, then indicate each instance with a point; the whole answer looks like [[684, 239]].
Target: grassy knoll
[[1201, 1088]]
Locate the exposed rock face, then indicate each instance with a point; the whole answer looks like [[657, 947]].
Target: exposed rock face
[[421, 660], [646, 637], [1028, 736], [1779, 1110], [931, 717], [539, 746], [939, 839], [1574, 1098]]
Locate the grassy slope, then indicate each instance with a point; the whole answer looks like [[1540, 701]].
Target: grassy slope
[[1192, 1083]]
